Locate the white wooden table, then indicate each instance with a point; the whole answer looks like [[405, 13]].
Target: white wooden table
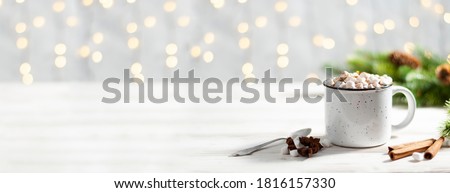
[[63, 127]]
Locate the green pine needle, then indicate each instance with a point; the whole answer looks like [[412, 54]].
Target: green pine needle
[[445, 130], [447, 105]]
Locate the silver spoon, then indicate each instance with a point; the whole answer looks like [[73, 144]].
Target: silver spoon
[[248, 151]]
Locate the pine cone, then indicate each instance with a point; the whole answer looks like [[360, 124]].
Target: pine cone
[[399, 58], [443, 73]]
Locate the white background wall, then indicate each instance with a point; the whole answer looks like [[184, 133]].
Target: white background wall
[[334, 19]]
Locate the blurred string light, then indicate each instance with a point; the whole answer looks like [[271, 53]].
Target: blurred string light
[[244, 43], [131, 1], [361, 26], [389, 24], [106, 3], [438, 8], [171, 49], [25, 68], [72, 21], [409, 47], [261, 21], [196, 51], [183, 21], [208, 56], [209, 38], [39, 21], [133, 43], [351, 2], [414, 21], [22, 43], [242, 1], [217, 3], [97, 57], [425, 3], [282, 49], [84, 51], [170, 6], [20, 1], [136, 71], [447, 17], [378, 28], [282, 61], [280, 6], [27, 79], [150, 21], [242, 27], [97, 38], [360, 39], [328, 43], [132, 27], [171, 61], [21, 27], [318, 40], [60, 49], [295, 21], [87, 2], [247, 68], [60, 61], [59, 6]]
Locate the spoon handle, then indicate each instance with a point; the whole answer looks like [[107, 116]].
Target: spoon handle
[[250, 150]]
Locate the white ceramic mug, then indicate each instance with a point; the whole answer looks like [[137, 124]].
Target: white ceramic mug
[[365, 119]]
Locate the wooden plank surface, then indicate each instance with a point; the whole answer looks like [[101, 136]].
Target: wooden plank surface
[[65, 128]]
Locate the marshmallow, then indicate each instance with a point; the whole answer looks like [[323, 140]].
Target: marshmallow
[[363, 75], [385, 80], [365, 85], [284, 150], [350, 84], [360, 79], [350, 79], [294, 153], [376, 85], [325, 142], [343, 75], [418, 156], [329, 82], [359, 85]]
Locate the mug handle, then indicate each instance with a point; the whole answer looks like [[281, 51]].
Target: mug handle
[[411, 106]]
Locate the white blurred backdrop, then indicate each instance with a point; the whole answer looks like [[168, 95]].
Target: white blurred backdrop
[[90, 40]]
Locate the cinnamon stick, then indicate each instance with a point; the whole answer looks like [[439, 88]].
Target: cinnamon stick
[[433, 149], [410, 148], [390, 148]]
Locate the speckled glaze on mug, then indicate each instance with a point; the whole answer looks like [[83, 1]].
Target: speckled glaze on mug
[[365, 119]]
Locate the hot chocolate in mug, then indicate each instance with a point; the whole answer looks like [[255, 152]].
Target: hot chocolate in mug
[[365, 119]]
